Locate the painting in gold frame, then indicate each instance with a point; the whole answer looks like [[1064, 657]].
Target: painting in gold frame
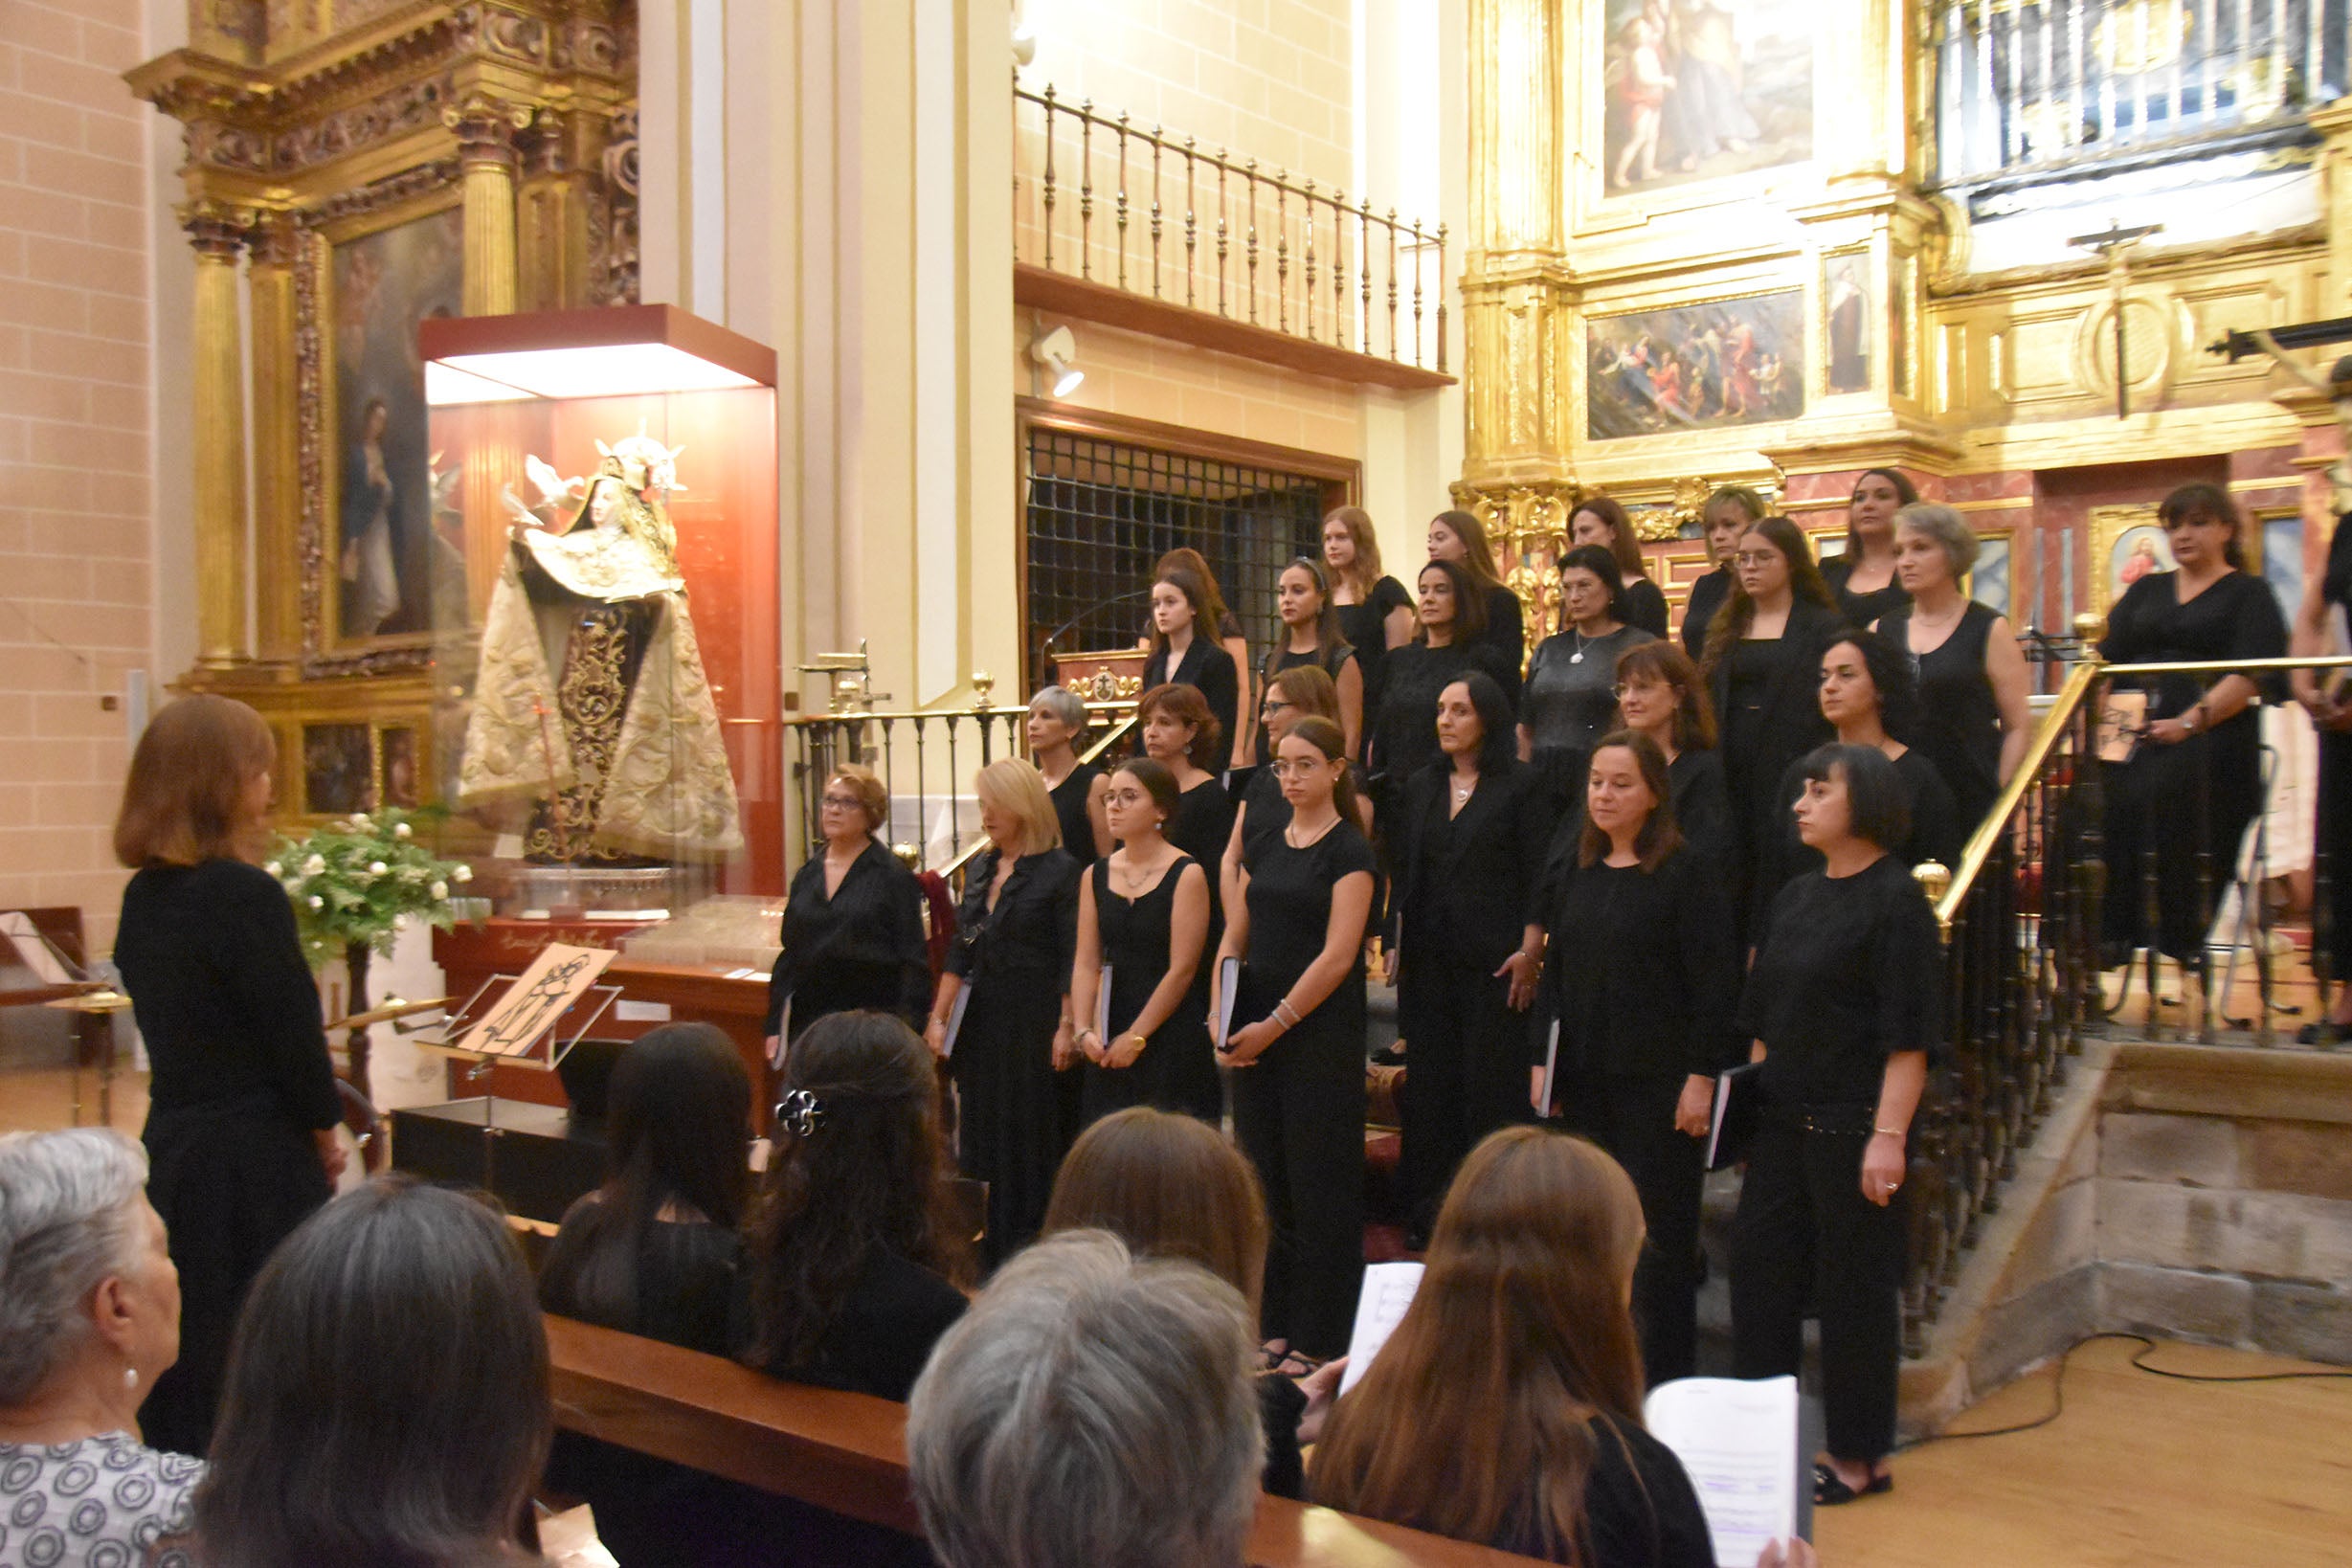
[[1997, 580], [2127, 543]]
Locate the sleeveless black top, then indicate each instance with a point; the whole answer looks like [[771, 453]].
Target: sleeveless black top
[[1135, 937], [1070, 798], [1960, 724]]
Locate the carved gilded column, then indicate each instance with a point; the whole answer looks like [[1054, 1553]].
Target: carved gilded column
[[217, 232], [552, 211], [2334, 122], [486, 128], [277, 442]]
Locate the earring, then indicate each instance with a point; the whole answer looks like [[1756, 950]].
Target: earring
[[130, 1376]]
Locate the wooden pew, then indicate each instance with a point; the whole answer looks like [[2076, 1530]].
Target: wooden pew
[[847, 1453]]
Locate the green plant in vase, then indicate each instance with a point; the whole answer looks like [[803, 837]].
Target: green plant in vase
[[352, 882]]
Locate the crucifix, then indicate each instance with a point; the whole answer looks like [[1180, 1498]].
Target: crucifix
[[2336, 387], [2116, 244]]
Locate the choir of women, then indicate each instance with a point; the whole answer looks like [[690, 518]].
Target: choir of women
[[1570, 694], [1864, 577], [1599, 520], [1311, 635]]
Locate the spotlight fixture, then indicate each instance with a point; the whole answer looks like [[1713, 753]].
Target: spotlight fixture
[[1024, 43], [1054, 352]]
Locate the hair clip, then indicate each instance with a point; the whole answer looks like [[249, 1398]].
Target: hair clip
[[800, 1112]]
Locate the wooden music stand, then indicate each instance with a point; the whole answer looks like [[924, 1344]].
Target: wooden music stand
[[62, 982]]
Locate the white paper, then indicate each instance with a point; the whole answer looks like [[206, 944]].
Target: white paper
[[956, 1020], [1551, 1069], [1228, 992], [1102, 1007], [1738, 1442], [1388, 1290], [783, 1035], [641, 1012]]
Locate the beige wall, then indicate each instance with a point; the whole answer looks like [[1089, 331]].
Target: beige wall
[[75, 472]]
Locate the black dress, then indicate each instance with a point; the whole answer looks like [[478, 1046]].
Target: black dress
[[1208, 668], [1707, 597], [1298, 1109], [241, 1081], [1176, 1070], [1365, 625], [1646, 606], [2332, 840], [1765, 697], [2188, 802], [1401, 730], [1702, 811], [1506, 630], [1332, 661], [1568, 702], [1848, 971], [1641, 977], [1016, 961], [863, 948], [1959, 723], [1862, 609], [1070, 798]]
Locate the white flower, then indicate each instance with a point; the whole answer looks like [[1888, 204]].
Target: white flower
[[440, 889], [462, 874], [360, 822], [312, 866], [401, 831], [317, 902], [275, 869], [376, 868]]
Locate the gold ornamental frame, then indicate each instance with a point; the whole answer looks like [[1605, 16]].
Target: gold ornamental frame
[[2109, 527]]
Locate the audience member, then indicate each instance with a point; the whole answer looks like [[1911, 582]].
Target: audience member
[[1296, 1046], [1057, 722], [1016, 939], [1844, 1004], [1213, 613], [1599, 520], [852, 1257], [1143, 922], [1461, 538], [1090, 1409], [852, 919], [1641, 981], [89, 1316], [242, 1107], [1660, 694], [1731, 510], [1181, 650], [1469, 844], [387, 1400], [1449, 643], [2194, 780], [1570, 694], [1976, 710], [1312, 636], [1864, 577], [1376, 614]]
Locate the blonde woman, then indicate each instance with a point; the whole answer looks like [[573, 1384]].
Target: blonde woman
[[1376, 612], [1016, 939]]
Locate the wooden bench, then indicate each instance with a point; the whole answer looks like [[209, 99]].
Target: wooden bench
[[847, 1453]]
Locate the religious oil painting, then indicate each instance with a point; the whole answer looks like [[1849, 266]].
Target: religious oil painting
[[387, 546], [2126, 547], [1846, 320], [338, 769], [1734, 361], [1696, 89]]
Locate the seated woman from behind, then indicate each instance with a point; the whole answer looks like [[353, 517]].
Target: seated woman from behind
[[1507, 1408], [89, 1313], [852, 1257]]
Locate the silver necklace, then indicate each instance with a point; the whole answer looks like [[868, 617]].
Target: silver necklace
[[1578, 657]]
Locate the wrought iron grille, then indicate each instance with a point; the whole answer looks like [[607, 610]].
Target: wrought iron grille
[[1100, 513]]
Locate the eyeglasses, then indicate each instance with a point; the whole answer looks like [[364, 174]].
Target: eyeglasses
[[1275, 705], [841, 802]]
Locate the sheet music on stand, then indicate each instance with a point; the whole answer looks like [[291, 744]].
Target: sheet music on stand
[[532, 1009]]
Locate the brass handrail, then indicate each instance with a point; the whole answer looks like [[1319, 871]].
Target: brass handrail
[[809, 720], [2234, 666], [949, 872]]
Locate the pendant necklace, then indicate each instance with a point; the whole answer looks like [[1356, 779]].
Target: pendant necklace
[[1578, 657]]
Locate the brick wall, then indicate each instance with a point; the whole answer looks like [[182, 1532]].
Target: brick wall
[[75, 463]]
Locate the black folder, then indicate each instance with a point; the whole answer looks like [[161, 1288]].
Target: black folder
[[1739, 1092]]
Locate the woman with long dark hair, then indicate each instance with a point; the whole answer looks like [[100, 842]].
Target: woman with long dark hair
[[1844, 1004], [1449, 642], [1461, 538], [1641, 979], [1312, 636], [1729, 511], [1056, 722], [242, 1106], [1218, 620], [852, 1259], [1184, 648], [1570, 694], [1599, 520], [1863, 579], [1469, 847], [1660, 694], [1376, 614], [1296, 1047], [1180, 734], [853, 918]]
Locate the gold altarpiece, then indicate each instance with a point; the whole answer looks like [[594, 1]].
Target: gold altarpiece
[[508, 126], [1993, 387]]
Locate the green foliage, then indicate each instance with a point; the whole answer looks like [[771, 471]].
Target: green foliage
[[351, 881]]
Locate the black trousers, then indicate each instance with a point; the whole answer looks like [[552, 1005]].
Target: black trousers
[[1803, 1227], [2333, 831], [1298, 1114], [1633, 1119], [1464, 1070]]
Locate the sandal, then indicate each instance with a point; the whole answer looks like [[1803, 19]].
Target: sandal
[[1829, 1488]]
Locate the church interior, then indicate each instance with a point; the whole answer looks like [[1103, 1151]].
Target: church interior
[[579, 429]]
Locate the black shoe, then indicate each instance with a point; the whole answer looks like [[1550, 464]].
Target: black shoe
[[2322, 1033], [1831, 1492]]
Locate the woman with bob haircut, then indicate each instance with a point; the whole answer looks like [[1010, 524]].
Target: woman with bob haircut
[[1184, 650], [853, 920], [1599, 520], [1866, 580], [1057, 722], [1641, 981], [1376, 614], [1844, 1004], [1016, 940], [1459, 539], [387, 1402], [1729, 511], [242, 1107], [1180, 734], [89, 1315], [1661, 694], [1506, 1409]]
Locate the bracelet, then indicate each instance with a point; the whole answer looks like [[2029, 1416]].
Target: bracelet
[[2194, 719], [1286, 1015], [1890, 1132]]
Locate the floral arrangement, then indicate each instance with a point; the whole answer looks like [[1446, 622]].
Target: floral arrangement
[[352, 880]]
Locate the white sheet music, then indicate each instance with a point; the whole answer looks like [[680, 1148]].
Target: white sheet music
[[1102, 1007], [1551, 1070], [956, 1020], [1228, 992], [1737, 1441], [1388, 1290]]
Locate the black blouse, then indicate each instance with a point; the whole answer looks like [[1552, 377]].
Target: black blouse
[[1506, 631], [683, 1277], [1289, 898], [1031, 934], [1570, 695], [1365, 625], [1646, 606], [1642, 973], [863, 946], [1202, 825], [1702, 806], [1208, 668], [1402, 734], [1938, 832], [1468, 883], [1862, 609], [1848, 971], [881, 1334], [2236, 617], [224, 999], [1707, 597]]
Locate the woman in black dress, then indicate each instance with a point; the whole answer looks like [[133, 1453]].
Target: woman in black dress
[[1181, 649], [1310, 627], [242, 1106], [853, 920], [1143, 920], [1016, 940], [1660, 694], [1763, 665], [1461, 538], [1844, 1004], [1599, 520], [1056, 721], [1214, 611], [1570, 693], [2194, 781], [1447, 645], [1975, 694], [1376, 612], [1180, 734], [2326, 695], [1296, 1046], [1641, 981], [1732, 510], [1469, 846], [1863, 578]]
